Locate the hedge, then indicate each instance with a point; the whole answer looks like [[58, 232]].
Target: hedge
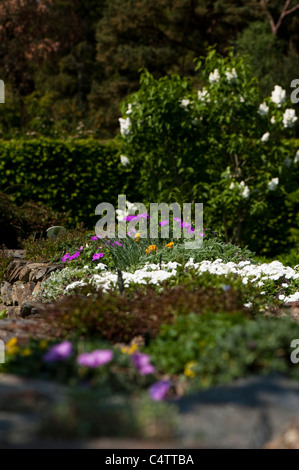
[[76, 175], [71, 175]]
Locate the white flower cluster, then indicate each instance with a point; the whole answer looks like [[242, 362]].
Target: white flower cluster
[[203, 95], [272, 185], [185, 102], [214, 76], [124, 160], [125, 125], [265, 137], [130, 208], [278, 95], [289, 117], [257, 274], [231, 75], [263, 109], [243, 189], [129, 110]]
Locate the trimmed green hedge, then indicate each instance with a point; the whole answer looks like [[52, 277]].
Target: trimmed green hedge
[[71, 175]]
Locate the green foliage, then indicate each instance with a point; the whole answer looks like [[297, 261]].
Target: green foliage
[[218, 147], [188, 338], [19, 222], [71, 176], [10, 222], [255, 347], [5, 259], [52, 249], [142, 310], [272, 59], [224, 347]]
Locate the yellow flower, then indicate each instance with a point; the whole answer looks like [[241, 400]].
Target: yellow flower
[[137, 236], [169, 245], [12, 342], [26, 352], [188, 369], [151, 248], [129, 350], [11, 347], [43, 344]]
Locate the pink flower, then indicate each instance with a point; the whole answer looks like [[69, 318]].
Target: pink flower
[[185, 225], [59, 352], [158, 390], [97, 256], [94, 238], [65, 257], [142, 363], [97, 358], [75, 255], [164, 222]]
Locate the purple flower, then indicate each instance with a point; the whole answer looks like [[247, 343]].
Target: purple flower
[[94, 238], [97, 358], [190, 230], [65, 257], [97, 256], [158, 390], [75, 255], [164, 222], [201, 234], [177, 219], [142, 363], [129, 217], [147, 369], [132, 232], [59, 352], [185, 225], [118, 243]]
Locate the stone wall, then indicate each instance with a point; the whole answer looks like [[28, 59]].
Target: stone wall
[[22, 280]]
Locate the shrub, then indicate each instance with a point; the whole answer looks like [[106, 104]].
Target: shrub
[[219, 145], [120, 318], [5, 259], [255, 347], [225, 347], [51, 250], [10, 222], [71, 176]]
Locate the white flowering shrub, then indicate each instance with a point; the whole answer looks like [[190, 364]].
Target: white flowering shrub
[[220, 144]]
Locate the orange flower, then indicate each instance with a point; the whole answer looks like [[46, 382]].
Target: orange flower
[[151, 248], [169, 245]]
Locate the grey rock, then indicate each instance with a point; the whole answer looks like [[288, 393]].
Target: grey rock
[[18, 290], [24, 273], [52, 232], [244, 414], [13, 270], [28, 308], [6, 293]]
